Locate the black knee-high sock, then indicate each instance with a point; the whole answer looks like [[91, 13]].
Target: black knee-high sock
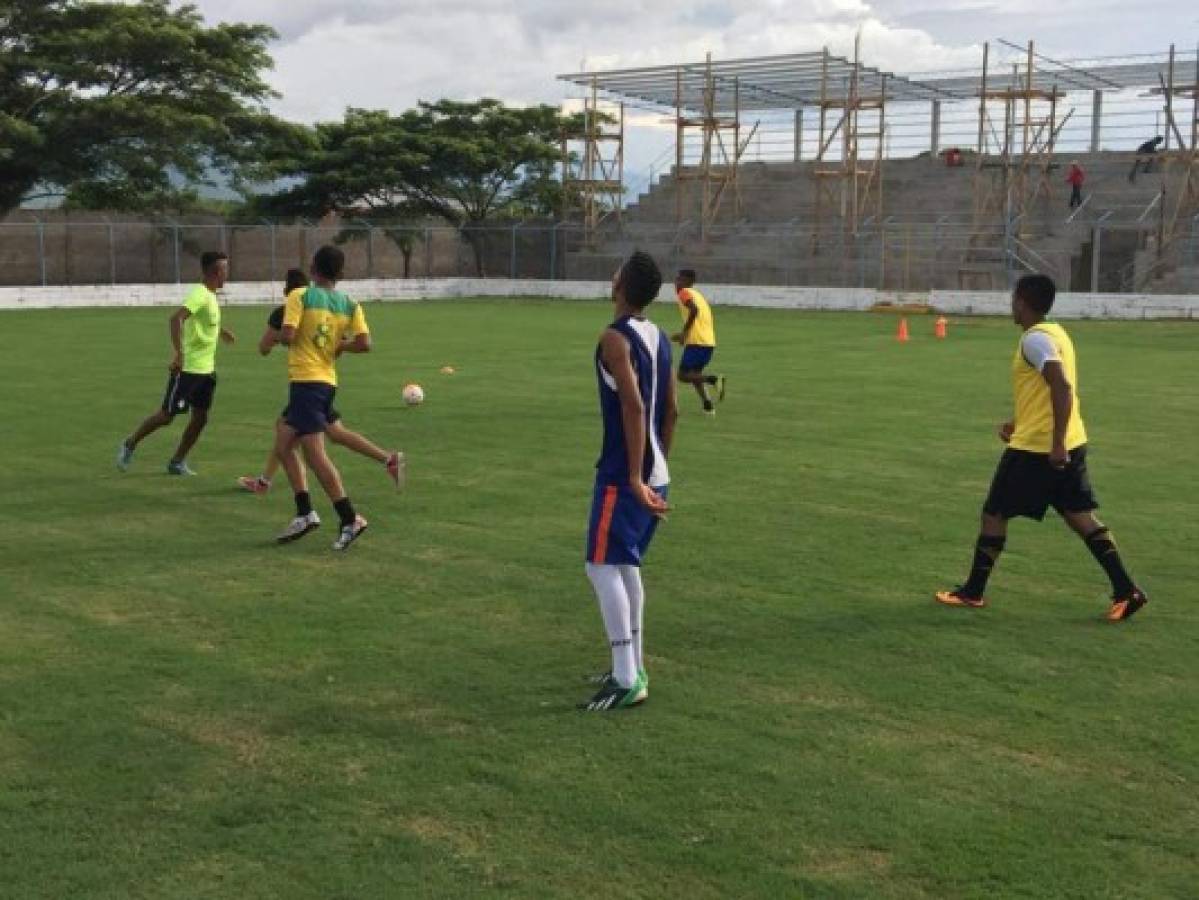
[[303, 503], [1103, 548], [345, 511], [986, 552]]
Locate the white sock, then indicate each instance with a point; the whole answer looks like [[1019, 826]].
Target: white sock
[[614, 607], [631, 576]]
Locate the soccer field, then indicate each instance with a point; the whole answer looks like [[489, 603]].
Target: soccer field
[[188, 710]]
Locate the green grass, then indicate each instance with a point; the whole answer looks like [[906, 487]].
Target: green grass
[[187, 710]]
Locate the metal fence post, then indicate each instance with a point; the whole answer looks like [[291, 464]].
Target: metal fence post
[[112, 251], [178, 253], [512, 267], [41, 247]]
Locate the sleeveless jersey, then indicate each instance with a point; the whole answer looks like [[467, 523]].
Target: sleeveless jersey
[[649, 349], [1034, 409]]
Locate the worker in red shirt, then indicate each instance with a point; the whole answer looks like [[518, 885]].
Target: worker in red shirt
[[1075, 177]]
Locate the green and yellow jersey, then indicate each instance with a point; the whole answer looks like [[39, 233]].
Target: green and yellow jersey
[[321, 318]]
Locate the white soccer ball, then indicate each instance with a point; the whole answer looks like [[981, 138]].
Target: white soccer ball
[[414, 394]]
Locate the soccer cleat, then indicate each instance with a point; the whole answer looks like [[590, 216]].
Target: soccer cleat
[[1126, 607], [350, 533], [255, 484], [124, 456], [179, 468], [612, 695], [298, 527], [397, 469], [954, 598], [603, 677], [721, 384]]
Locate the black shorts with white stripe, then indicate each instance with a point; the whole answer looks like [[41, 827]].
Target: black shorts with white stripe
[[186, 391]]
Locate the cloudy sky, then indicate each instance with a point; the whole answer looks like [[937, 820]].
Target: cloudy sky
[[386, 54]]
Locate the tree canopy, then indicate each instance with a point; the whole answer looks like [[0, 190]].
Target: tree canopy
[[120, 105]]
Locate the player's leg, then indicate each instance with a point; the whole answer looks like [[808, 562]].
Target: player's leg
[[1075, 501], [352, 524], [260, 484], [393, 462], [200, 390], [187, 440], [1016, 489], [287, 453], [156, 420], [611, 544]]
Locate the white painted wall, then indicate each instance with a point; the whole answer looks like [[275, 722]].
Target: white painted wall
[[1068, 306]]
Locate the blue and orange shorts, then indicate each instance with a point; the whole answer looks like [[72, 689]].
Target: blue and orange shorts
[[621, 529]]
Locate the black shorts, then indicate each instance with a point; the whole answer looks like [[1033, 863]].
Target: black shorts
[[187, 390], [1026, 485], [310, 406], [332, 416]]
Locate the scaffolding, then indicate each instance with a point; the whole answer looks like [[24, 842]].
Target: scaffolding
[[593, 164], [1181, 157], [852, 190]]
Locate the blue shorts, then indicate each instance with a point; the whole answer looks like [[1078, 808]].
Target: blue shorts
[[695, 358], [309, 406], [621, 529]]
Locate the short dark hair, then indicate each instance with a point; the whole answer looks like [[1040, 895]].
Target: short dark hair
[[1038, 291], [687, 275], [295, 279], [329, 262], [210, 258], [641, 279]]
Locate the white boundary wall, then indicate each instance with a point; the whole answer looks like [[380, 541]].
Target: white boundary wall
[[1068, 306]]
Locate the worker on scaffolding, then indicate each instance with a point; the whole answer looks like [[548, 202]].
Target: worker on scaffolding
[[1075, 178], [1145, 155]]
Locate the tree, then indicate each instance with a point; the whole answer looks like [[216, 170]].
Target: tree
[[123, 105], [466, 163]]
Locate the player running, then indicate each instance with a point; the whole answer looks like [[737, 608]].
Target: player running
[[393, 462], [315, 320], [191, 385], [638, 408], [1045, 463], [698, 339]]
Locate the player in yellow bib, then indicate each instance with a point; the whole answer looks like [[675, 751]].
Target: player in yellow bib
[[1045, 463], [698, 339], [315, 320], [191, 385]]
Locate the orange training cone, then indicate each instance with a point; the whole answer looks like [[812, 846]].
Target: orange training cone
[[942, 328], [902, 335]]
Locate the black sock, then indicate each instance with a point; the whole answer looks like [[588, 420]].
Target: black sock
[[986, 552], [1103, 548], [345, 511], [711, 379], [303, 503]]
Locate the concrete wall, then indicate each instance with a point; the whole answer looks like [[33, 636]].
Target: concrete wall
[[1069, 306]]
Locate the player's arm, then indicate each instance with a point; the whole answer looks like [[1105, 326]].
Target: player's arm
[[614, 352], [1061, 398], [182, 314], [670, 416], [692, 314], [293, 311], [361, 341], [270, 337]]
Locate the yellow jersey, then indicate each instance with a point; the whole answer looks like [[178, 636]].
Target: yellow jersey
[[200, 331], [702, 332], [321, 318], [1034, 409]]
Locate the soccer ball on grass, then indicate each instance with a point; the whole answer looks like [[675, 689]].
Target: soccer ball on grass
[[414, 395]]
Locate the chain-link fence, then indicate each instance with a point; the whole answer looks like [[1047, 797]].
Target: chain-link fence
[[918, 252]]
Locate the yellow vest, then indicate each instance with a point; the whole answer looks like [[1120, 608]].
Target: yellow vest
[[702, 332], [1034, 410]]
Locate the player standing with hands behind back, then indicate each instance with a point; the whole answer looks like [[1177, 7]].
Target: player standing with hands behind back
[[638, 409]]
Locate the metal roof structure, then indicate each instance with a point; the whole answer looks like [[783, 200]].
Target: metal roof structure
[[794, 80]]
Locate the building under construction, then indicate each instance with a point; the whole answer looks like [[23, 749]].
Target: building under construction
[[817, 168]]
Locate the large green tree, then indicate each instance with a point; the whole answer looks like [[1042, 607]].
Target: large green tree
[[121, 105], [465, 163]]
